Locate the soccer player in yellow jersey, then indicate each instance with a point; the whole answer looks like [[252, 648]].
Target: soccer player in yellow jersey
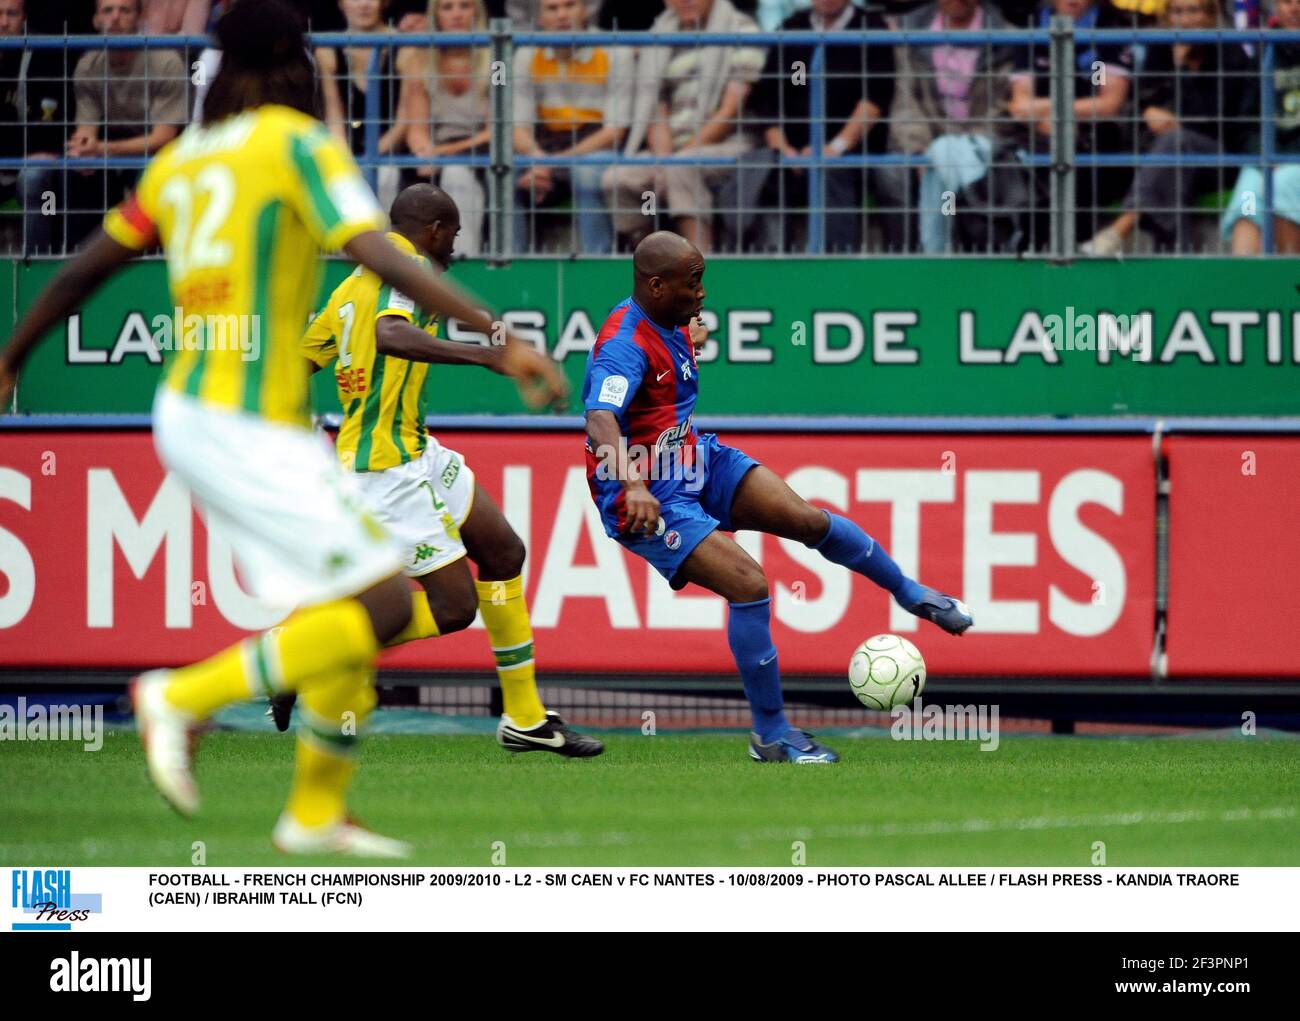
[[243, 205], [381, 344]]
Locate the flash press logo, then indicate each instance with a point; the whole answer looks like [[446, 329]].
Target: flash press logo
[[47, 895], [77, 974]]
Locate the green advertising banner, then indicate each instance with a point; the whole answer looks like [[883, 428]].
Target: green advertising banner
[[824, 337]]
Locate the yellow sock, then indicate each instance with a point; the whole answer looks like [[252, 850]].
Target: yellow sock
[[505, 613], [422, 623], [332, 716], [314, 646]]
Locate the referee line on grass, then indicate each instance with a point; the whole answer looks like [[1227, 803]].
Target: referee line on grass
[[745, 839]]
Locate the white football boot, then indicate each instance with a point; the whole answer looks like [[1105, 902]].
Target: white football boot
[[167, 733], [342, 837]]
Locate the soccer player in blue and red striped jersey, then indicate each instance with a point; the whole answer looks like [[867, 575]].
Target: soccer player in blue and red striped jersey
[[668, 493]]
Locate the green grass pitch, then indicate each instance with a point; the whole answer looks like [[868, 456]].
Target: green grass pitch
[[685, 800]]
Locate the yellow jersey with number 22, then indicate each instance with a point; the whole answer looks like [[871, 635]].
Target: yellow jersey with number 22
[[243, 209]]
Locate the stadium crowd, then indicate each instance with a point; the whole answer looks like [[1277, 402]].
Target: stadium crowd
[[954, 128]]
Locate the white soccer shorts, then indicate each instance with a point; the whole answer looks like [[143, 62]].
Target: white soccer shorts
[[423, 503], [299, 528]]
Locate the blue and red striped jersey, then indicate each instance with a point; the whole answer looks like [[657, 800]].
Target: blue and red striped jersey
[[646, 375]]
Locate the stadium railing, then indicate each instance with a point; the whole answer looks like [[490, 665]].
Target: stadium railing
[[1053, 696], [1021, 192]]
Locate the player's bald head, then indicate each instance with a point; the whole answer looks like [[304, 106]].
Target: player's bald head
[[668, 271], [662, 254], [422, 205]]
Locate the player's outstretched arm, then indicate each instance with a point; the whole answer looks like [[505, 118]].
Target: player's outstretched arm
[[80, 277], [431, 292], [540, 382], [395, 336]]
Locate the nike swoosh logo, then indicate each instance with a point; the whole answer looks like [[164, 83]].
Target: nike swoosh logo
[[550, 742], [662, 375], [765, 662]]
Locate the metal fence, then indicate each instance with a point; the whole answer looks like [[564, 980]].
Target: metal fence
[[1055, 142]]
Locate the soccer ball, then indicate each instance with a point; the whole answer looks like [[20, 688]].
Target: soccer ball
[[886, 671]]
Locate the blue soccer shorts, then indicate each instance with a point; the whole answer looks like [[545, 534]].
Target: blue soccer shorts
[[691, 509]]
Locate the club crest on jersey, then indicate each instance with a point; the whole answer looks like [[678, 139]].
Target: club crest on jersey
[[673, 539]]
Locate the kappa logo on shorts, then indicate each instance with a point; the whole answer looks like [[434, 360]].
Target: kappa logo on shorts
[[423, 551], [673, 540], [337, 561]]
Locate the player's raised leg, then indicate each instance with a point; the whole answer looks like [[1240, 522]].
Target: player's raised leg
[[764, 503], [718, 564], [324, 652]]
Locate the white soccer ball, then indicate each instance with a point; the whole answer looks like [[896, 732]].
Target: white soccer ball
[[886, 671]]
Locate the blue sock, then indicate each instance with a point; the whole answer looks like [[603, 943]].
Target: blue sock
[[847, 544], [749, 633]]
